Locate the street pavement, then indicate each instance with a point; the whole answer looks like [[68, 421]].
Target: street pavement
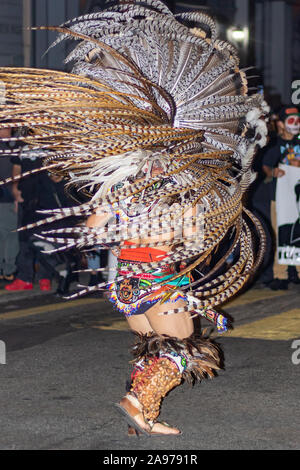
[[66, 364]]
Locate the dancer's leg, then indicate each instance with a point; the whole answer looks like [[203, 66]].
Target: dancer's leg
[[139, 323], [179, 325], [166, 351]]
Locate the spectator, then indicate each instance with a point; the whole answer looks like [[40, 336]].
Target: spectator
[[96, 260], [51, 195], [9, 244], [285, 150], [38, 191], [259, 202], [25, 195]]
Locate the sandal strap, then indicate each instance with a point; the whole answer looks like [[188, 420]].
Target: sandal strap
[[134, 401], [133, 407], [152, 423]]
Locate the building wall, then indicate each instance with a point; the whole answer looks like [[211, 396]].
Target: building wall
[[273, 39], [274, 27], [19, 46], [50, 13], [11, 39]]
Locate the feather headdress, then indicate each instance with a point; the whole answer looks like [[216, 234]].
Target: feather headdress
[[148, 86]]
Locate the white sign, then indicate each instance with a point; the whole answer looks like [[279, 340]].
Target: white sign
[[288, 215]]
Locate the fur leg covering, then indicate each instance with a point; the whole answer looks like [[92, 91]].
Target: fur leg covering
[[161, 362], [159, 376]]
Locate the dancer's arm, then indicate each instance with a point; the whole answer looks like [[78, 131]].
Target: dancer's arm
[[98, 219]]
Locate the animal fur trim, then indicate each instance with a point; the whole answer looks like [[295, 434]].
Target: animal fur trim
[[203, 356]]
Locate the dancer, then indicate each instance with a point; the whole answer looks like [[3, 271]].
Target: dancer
[[156, 128], [166, 349]]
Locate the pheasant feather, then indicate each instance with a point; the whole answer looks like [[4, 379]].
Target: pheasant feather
[[149, 88]]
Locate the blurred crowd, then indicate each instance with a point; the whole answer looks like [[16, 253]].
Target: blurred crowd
[[26, 259], [23, 262]]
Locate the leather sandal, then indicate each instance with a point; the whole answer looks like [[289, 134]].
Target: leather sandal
[[130, 407], [134, 432], [163, 423]]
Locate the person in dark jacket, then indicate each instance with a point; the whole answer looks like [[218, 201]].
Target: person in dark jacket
[[36, 192], [9, 244]]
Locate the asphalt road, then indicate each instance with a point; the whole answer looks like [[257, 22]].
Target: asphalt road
[[67, 364]]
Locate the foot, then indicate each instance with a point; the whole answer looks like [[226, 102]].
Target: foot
[[278, 284], [157, 428], [45, 284], [293, 275], [163, 428], [133, 409], [18, 284]]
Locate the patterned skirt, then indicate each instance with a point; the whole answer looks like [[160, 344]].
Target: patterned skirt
[[135, 289]]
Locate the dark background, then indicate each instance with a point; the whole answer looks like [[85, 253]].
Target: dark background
[[273, 28]]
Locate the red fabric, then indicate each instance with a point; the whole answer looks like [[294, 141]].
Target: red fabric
[[145, 255]]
